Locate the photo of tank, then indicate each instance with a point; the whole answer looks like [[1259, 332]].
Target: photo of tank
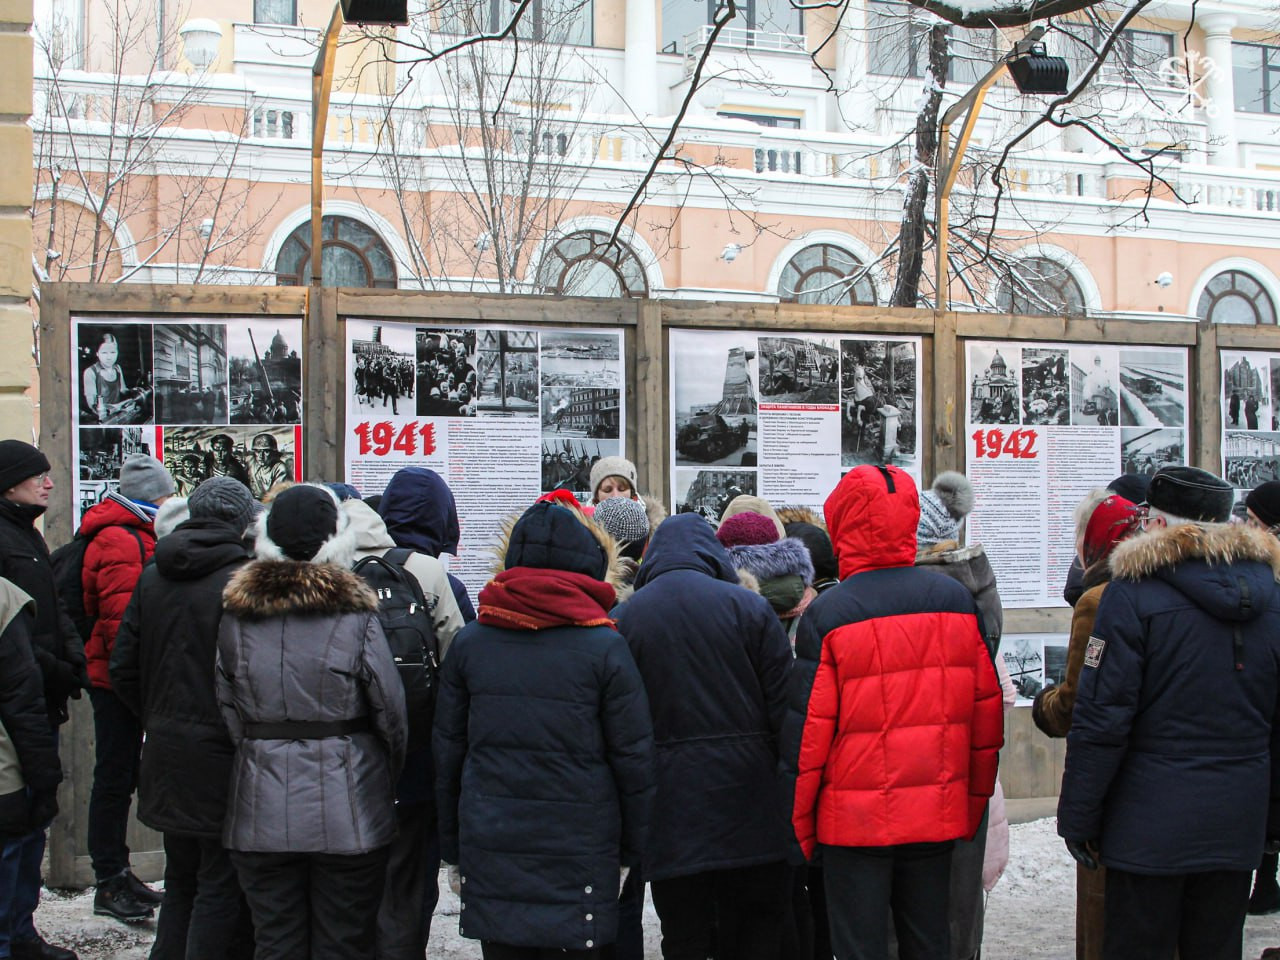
[[719, 432]]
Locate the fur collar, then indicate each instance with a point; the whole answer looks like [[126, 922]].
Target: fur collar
[[1214, 543], [276, 588], [779, 559], [655, 512], [617, 576], [791, 514], [948, 551]]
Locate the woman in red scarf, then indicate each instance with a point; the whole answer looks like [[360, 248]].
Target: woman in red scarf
[[543, 748]]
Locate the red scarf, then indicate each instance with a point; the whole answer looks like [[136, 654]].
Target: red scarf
[[530, 598]]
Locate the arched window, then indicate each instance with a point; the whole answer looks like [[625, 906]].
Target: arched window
[[586, 264], [1038, 286], [823, 274], [1235, 297], [354, 256]]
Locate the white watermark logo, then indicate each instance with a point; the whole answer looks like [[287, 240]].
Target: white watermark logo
[[1191, 74]]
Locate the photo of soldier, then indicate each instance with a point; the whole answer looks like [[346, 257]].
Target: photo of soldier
[[265, 371], [258, 458], [385, 372], [566, 464], [447, 382]]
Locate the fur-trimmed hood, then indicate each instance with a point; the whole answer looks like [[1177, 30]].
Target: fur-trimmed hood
[[1225, 569], [617, 573], [654, 511], [765, 561], [276, 588], [793, 514]]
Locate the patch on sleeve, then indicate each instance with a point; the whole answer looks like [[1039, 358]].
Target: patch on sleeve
[[1093, 652]]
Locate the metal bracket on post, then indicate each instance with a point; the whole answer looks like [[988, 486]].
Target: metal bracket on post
[[321, 88]]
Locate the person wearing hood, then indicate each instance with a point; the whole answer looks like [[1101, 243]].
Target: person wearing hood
[[419, 512], [413, 866], [162, 671], [1131, 486], [894, 722], [1172, 777], [543, 747], [714, 658], [121, 540], [777, 565], [315, 708]]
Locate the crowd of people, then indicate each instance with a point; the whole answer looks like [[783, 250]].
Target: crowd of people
[[785, 725], [385, 377]]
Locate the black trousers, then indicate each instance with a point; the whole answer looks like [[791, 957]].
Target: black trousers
[[1200, 915], [312, 906], [412, 890], [117, 748], [744, 908], [866, 884], [204, 915], [501, 951]]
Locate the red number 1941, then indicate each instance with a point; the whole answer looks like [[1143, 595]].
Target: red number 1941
[[380, 439], [1019, 444]]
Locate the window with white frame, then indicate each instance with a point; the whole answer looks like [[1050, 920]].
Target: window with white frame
[[353, 255], [828, 274], [1038, 286], [898, 43], [283, 12], [1235, 297], [1256, 70], [586, 264], [683, 18], [548, 21]]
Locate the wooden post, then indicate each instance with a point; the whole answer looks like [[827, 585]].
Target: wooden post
[[650, 395], [946, 452], [321, 88]]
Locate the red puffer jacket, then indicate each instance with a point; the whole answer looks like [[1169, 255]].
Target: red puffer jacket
[[894, 711], [123, 540]]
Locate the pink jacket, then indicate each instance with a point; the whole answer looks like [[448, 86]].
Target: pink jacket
[[997, 855]]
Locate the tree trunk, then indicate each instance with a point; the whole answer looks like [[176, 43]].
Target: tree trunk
[[906, 287]]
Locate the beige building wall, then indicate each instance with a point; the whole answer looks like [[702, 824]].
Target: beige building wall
[[16, 336]]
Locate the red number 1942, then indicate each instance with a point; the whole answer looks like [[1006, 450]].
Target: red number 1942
[[380, 439], [1018, 444]]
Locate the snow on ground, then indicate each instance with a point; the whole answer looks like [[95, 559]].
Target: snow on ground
[[1030, 914]]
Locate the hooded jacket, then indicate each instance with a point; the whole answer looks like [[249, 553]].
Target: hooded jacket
[[1173, 759], [784, 571], [894, 710], [715, 661], [543, 749], [162, 668], [122, 541], [301, 642], [419, 512]]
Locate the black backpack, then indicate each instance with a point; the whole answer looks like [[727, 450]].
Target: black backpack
[[68, 578], [411, 634]]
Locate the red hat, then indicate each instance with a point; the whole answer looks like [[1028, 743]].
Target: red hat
[[747, 529], [1111, 521], [562, 497]]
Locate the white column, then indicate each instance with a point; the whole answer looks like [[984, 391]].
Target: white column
[[640, 57], [855, 106], [1219, 89]]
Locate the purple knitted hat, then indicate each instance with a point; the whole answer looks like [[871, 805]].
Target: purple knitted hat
[[747, 529]]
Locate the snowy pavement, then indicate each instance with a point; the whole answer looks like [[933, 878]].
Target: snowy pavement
[[1030, 914]]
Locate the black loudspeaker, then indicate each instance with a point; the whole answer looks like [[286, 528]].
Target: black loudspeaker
[[1038, 72], [376, 12]]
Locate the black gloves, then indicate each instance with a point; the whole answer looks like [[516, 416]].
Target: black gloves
[[61, 679], [1085, 853], [44, 807]]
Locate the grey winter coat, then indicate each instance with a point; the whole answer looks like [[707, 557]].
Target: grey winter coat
[[301, 643]]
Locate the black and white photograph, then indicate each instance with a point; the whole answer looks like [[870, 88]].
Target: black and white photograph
[[259, 457], [1275, 393], [265, 371], [1095, 395], [90, 493], [448, 384], [507, 362], [1250, 458], [567, 462], [993, 386], [1046, 391], [104, 449], [1024, 659], [715, 379], [1246, 391], [383, 371], [580, 359], [799, 370], [190, 368], [581, 412], [877, 402], [114, 367], [1153, 388], [1055, 663], [1144, 450], [708, 492]]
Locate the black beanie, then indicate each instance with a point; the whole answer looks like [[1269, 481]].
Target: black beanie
[[1264, 501], [19, 461], [301, 520]]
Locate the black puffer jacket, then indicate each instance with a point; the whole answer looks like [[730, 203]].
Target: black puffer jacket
[[715, 660], [57, 646], [162, 668]]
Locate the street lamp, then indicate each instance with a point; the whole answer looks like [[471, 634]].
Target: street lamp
[[1033, 72], [374, 13]]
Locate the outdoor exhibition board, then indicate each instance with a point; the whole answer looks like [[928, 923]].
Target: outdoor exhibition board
[[208, 396], [502, 413], [1250, 418], [783, 417], [1034, 661], [1045, 424]]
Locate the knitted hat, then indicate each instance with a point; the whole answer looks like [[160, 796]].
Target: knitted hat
[[551, 536], [623, 519], [1264, 501], [613, 467], [221, 498], [1111, 521], [20, 461], [145, 478], [747, 529], [305, 524], [745, 503], [943, 507], [1192, 494]]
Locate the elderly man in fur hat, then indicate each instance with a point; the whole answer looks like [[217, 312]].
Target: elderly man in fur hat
[[1172, 778]]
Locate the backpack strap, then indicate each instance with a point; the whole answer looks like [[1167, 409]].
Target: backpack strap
[[395, 558], [142, 550]]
